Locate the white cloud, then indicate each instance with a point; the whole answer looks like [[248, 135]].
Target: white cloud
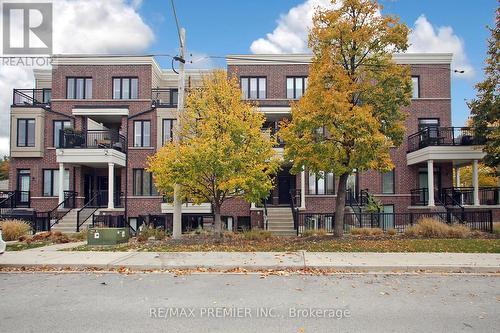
[[425, 38], [290, 36], [80, 26]]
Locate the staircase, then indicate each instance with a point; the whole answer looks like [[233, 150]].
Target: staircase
[[280, 221], [68, 223]]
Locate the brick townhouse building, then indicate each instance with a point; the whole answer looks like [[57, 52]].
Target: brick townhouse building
[[81, 137]]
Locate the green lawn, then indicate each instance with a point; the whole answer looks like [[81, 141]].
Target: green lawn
[[312, 244], [25, 246]]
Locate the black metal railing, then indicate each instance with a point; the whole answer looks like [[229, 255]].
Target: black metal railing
[[461, 195], [443, 136], [7, 202], [156, 221], [457, 196], [420, 197], [58, 212], [489, 195], [476, 220], [164, 97], [84, 213], [266, 218], [93, 139], [31, 97], [109, 221], [294, 206]]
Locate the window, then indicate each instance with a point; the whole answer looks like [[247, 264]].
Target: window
[[168, 128], [415, 80], [79, 88], [125, 88], [424, 123], [388, 182], [51, 182], [26, 132], [143, 183], [321, 184], [253, 87], [142, 133], [295, 87], [58, 126], [387, 218]]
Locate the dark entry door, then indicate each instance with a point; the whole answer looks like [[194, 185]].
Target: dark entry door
[[286, 183], [88, 187], [102, 189], [23, 188]]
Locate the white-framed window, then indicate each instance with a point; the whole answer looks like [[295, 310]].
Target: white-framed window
[[253, 87], [142, 133], [321, 183], [51, 182], [26, 132], [295, 87], [79, 88], [388, 182], [125, 88], [415, 80]]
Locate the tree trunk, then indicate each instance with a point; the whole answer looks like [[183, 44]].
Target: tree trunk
[[217, 222], [338, 230]]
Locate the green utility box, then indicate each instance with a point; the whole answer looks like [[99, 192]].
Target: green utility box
[[107, 236]]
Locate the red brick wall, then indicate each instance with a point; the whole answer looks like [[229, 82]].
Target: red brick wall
[[434, 103]]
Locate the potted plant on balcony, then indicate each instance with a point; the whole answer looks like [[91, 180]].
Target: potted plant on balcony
[[73, 138]]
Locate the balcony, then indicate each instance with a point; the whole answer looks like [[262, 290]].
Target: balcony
[[31, 97], [443, 136], [453, 196], [164, 97], [92, 147], [93, 139], [459, 145]]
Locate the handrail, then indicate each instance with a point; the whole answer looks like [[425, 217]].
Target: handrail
[[443, 136], [354, 204], [31, 97], [97, 139], [295, 211], [93, 205], [69, 196], [266, 220]]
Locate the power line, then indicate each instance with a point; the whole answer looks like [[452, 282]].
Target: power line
[[177, 24]]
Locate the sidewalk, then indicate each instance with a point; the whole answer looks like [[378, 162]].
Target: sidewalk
[[254, 261]]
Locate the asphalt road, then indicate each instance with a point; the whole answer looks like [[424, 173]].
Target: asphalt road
[[87, 302]]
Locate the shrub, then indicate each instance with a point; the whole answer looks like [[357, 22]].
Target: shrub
[[496, 228], [429, 227], [367, 231], [256, 235], [82, 235], [13, 229], [148, 232], [392, 232]]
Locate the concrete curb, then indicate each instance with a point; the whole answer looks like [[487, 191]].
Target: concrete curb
[[255, 261]]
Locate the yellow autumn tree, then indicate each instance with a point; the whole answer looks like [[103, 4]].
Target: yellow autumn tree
[[350, 116], [222, 153], [486, 176]]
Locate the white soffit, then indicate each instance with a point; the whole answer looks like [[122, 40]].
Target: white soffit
[[100, 111]]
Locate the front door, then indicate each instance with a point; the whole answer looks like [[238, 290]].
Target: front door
[[102, 189], [286, 183], [23, 188], [88, 187]]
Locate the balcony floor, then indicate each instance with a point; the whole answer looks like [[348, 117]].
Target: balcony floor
[[90, 157], [457, 154]]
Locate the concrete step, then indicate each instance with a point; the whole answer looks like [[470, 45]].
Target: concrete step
[[284, 233]]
